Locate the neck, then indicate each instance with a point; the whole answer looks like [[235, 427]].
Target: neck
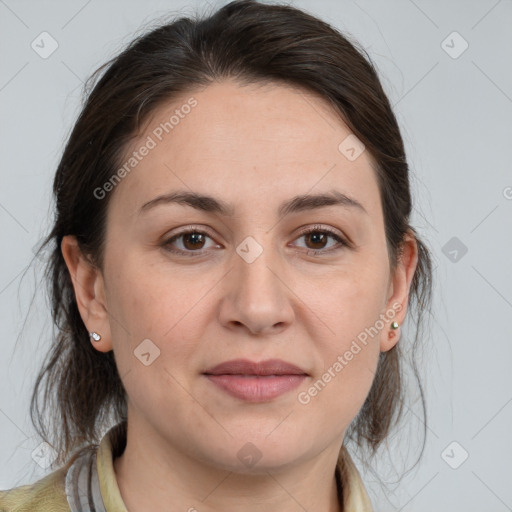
[[152, 474]]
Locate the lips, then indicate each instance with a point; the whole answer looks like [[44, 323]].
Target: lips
[[269, 367], [256, 382]]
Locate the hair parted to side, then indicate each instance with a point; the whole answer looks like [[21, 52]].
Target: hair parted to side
[[249, 42]]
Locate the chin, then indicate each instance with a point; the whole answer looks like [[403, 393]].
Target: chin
[[256, 454]]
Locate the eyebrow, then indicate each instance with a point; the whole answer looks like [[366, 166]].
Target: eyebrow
[[296, 204]]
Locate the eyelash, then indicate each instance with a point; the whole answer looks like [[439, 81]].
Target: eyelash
[[315, 229]]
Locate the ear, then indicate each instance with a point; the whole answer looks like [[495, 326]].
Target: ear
[[89, 292], [399, 287]]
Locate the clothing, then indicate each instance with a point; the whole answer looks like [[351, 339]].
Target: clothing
[[87, 483]]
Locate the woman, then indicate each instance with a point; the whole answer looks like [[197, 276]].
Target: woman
[[233, 262]]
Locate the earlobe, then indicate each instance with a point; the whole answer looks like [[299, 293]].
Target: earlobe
[[396, 306], [89, 291]]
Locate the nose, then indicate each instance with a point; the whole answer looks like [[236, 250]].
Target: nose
[[257, 297]]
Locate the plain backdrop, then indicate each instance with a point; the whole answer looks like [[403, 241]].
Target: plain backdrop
[[446, 67]]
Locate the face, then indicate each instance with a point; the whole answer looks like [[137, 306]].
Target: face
[[260, 271]]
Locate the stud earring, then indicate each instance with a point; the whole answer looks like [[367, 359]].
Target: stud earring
[[394, 326], [95, 336]]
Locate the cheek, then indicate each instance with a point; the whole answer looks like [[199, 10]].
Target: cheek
[[351, 302], [153, 301], [164, 307], [349, 361], [350, 307], [341, 390], [156, 321]]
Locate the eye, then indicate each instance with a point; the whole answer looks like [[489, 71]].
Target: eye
[[191, 241], [318, 236]]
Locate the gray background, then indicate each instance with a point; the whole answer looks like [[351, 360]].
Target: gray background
[[455, 115]]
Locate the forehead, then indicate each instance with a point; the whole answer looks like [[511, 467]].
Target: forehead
[[244, 144]]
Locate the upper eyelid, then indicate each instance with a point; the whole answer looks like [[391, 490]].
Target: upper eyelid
[[302, 230]]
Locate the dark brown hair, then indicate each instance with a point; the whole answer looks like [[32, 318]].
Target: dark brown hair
[[249, 42]]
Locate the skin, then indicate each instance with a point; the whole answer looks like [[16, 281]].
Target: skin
[[252, 147]]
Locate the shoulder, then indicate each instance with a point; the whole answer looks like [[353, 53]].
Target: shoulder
[[46, 494], [55, 491]]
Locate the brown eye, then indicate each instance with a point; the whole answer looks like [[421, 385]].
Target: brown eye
[[188, 243], [193, 240], [317, 240]]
